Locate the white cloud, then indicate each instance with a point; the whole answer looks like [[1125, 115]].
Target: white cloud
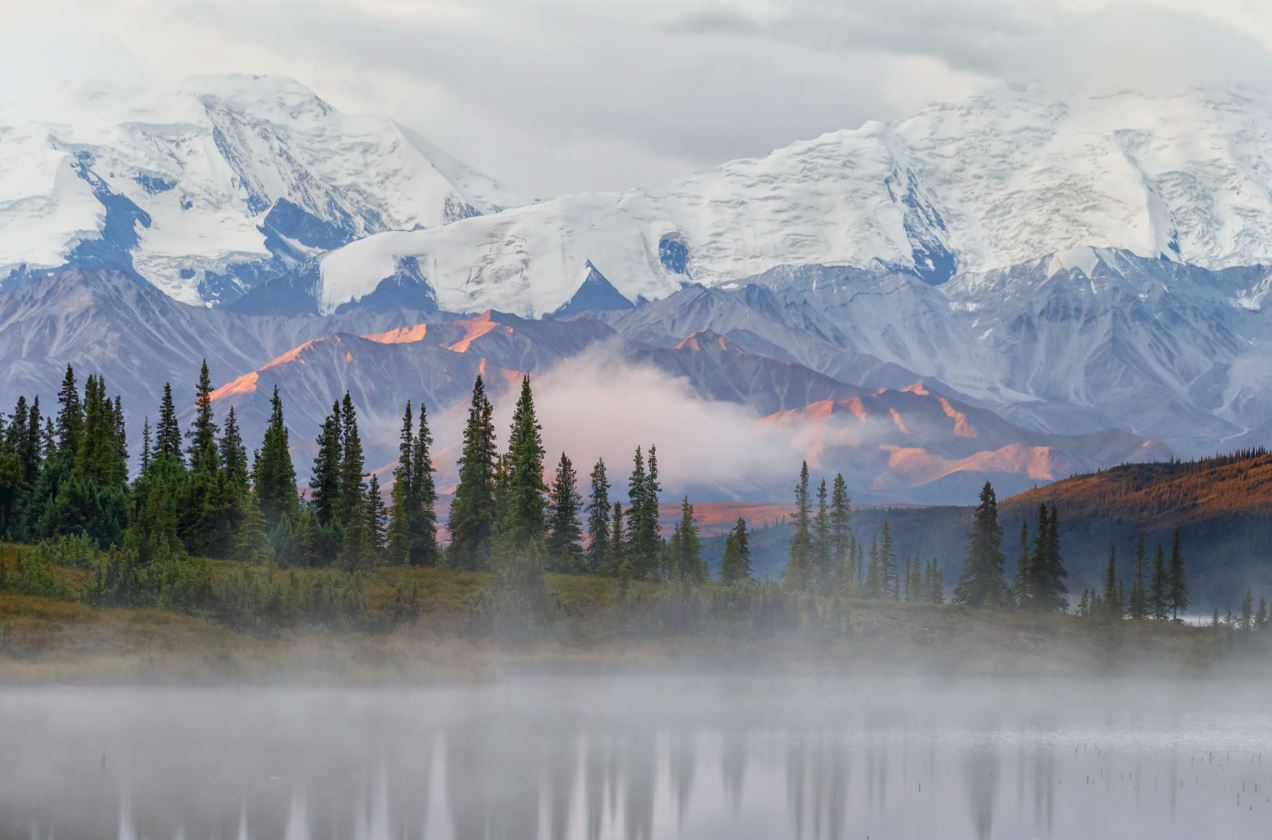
[[563, 95], [602, 407]]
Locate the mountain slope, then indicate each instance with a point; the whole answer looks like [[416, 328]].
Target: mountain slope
[[208, 186], [996, 181]]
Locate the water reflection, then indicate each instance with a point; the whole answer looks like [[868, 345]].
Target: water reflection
[[564, 759]]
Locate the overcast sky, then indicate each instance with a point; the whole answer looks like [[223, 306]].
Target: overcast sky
[[556, 96]]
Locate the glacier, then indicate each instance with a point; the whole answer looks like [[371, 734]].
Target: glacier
[[995, 181], [214, 184]]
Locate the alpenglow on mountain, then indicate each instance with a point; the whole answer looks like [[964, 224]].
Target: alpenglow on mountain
[[209, 186]]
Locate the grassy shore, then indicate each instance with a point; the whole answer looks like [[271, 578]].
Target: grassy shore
[[592, 623]]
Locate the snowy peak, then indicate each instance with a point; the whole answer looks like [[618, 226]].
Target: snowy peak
[[999, 180], [209, 186]]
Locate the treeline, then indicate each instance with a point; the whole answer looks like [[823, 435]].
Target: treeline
[[65, 483], [826, 558]]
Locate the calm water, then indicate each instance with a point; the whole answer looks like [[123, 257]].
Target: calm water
[[641, 757]]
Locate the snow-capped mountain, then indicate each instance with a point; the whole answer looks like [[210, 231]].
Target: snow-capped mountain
[[993, 182], [208, 186]]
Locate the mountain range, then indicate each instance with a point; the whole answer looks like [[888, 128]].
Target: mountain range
[[1019, 287]]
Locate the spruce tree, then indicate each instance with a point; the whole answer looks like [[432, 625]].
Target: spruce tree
[[351, 497], [800, 559], [145, 445], [1178, 589], [643, 541], [401, 510], [324, 481], [822, 548], [423, 525], [377, 516], [1159, 592], [686, 547], [598, 519], [874, 587], [565, 550], [233, 456], [70, 417], [168, 431], [251, 542], [841, 535], [616, 562], [1139, 582], [521, 549], [1024, 577], [472, 507], [203, 430], [1112, 597], [351, 502], [888, 564], [1247, 610], [274, 473], [525, 516], [982, 583], [936, 586], [736, 565]]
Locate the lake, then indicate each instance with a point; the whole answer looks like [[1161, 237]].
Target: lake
[[642, 756]]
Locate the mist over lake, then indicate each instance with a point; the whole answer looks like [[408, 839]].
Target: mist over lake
[[641, 756]]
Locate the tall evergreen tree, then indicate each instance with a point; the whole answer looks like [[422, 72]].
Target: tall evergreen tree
[[402, 509], [525, 517], [168, 431], [1024, 577], [70, 417], [686, 547], [472, 507], [203, 431], [841, 534], [822, 548], [424, 547], [521, 549], [565, 550], [799, 565], [251, 542], [1139, 582], [324, 481], [643, 541], [1045, 582], [1159, 591], [736, 565], [874, 585], [377, 516], [888, 577], [1178, 589], [233, 456], [598, 519], [1112, 597], [936, 584], [982, 583], [145, 445], [274, 473], [351, 501], [616, 562]]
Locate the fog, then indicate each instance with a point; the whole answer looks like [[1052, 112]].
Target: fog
[[641, 756]]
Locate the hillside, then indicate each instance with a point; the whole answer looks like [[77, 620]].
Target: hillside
[[1161, 496], [1222, 507]]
